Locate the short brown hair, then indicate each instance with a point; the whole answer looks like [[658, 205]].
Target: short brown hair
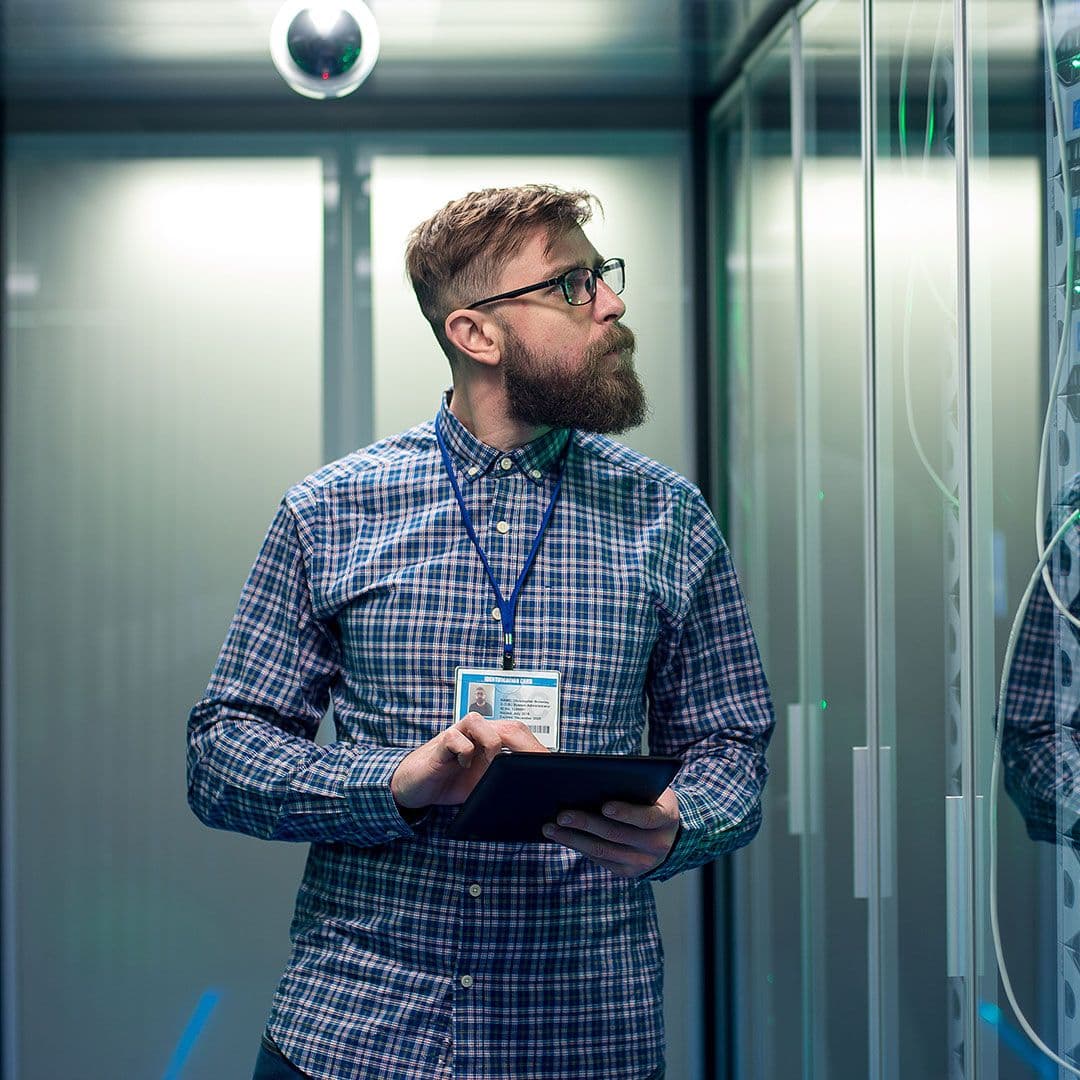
[[453, 258]]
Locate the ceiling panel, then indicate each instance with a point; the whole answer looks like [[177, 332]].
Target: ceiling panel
[[207, 49]]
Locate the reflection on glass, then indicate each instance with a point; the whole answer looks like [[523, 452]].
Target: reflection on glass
[[154, 410], [832, 525], [953, 459], [919, 543], [760, 302], [1040, 755], [1012, 240]]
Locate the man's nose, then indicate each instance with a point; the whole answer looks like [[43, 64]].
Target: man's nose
[[607, 307]]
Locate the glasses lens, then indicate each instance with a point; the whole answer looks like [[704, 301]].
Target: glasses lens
[[614, 274], [579, 286]]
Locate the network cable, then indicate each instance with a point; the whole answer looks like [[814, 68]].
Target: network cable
[[947, 310]]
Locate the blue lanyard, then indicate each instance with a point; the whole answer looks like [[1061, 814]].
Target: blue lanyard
[[507, 608]]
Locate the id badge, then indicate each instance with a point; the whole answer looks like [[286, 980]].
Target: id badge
[[532, 697]]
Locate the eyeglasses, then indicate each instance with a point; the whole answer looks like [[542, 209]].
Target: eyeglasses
[[578, 285]]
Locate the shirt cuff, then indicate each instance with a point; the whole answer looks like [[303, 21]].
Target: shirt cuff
[[700, 840], [682, 854], [375, 812]]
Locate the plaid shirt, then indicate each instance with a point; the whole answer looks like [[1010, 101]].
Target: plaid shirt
[[416, 956]]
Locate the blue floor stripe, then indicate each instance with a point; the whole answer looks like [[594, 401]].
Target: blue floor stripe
[[207, 1004], [1016, 1040]]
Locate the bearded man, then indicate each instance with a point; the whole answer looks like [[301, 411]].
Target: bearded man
[[508, 533]]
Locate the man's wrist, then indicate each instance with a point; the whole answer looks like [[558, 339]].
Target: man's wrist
[[409, 814]]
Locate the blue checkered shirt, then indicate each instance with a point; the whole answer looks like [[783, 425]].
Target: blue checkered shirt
[[416, 956]]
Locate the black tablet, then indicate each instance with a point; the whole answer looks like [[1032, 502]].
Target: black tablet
[[522, 792]]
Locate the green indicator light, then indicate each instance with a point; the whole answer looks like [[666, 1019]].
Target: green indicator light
[[824, 704], [821, 496]]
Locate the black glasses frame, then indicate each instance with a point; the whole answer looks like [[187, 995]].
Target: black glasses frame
[[605, 267]]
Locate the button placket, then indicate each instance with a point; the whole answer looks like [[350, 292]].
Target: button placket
[[520, 503], [504, 529], [503, 542]]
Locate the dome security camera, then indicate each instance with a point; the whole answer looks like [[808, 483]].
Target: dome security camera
[[324, 50]]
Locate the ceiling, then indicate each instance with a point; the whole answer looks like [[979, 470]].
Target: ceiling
[[196, 51]]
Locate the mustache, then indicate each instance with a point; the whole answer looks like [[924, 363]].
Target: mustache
[[621, 339]]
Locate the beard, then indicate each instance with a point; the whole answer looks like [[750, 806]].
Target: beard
[[596, 397]]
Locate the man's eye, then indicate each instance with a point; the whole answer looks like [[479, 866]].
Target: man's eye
[[577, 283]]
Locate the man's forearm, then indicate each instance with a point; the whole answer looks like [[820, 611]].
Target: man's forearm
[[250, 776]]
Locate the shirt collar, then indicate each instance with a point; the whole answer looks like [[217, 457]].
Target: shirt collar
[[536, 460]]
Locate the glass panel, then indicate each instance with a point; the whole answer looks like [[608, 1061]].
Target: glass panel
[[735, 1005], [1013, 360], [925, 999], [764, 515], [832, 597], [162, 388]]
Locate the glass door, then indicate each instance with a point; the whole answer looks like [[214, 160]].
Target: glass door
[[774, 1017], [833, 718]]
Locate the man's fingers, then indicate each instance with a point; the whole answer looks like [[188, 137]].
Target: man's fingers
[[482, 732], [493, 735], [662, 814], [446, 768], [456, 744], [619, 859], [614, 833], [516, 736], [641, 817], [625, 838]]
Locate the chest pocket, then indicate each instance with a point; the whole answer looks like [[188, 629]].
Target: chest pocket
[[600, 627], [403, 632]]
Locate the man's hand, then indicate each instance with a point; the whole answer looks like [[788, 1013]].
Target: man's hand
[[628, 840], [444, 770]]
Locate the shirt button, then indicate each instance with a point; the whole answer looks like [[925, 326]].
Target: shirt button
[[502, 527], [536, 474], [466, 981], [475, 890], [506, 464], [473, 470], [496, 614]]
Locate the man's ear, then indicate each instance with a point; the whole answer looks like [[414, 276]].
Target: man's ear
[[474, 335]]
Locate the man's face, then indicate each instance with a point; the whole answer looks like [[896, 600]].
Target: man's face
[[566, 366]]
